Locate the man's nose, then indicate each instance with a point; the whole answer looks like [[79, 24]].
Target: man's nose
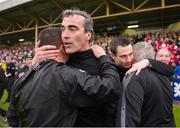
[[65, 34], [164, 58], [129, 59]]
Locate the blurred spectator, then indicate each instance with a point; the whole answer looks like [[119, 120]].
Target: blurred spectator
[[28, 61], [163, 55], [3, 85], [10, 74]]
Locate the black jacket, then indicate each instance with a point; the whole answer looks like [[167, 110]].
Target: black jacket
[[11, 69], [103, 114], [159, 67], [148, 101], [52, 95], [3, 82]]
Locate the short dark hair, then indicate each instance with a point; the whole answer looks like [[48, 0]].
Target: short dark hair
[[119, 41], [50, 36]]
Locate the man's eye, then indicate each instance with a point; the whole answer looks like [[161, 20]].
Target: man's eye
[[73, 28]]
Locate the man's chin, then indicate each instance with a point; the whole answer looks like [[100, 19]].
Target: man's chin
[[69, 52], [128, 66]]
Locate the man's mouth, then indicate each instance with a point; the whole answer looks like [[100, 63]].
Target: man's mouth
[[67, 44]]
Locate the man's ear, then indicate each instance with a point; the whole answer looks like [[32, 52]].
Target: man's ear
[[88, 35], [112, 56]]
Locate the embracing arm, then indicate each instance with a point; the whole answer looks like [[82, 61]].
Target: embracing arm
[[86, 89], [158, 66], [161, 67], [44, 52]]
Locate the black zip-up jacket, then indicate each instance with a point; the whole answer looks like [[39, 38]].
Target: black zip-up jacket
[[52, 95], [148, 84], [104, 113], [148, 101], [156, 66]]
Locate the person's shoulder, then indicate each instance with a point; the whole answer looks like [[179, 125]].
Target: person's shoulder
[[142, 74]]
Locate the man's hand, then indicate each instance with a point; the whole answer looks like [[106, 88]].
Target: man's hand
[[138, 66], [98, 51], [44, 53]]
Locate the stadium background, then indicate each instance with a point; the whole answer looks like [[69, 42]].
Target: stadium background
[[21, 20]]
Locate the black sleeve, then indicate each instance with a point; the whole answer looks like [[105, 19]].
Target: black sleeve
[[12, 113], [161, 67], [134, 99], [106, 87], [2, 76]]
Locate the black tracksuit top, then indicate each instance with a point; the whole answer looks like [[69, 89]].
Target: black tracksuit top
[[103, 114], [53, 95]]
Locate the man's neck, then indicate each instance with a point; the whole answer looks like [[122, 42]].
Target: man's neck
[[60, 59]]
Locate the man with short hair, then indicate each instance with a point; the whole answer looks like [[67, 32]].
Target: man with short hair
[[77, 33], [123, 55], [53, 93], [147, 98]]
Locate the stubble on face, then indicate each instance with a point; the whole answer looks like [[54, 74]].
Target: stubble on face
[[124, 57]]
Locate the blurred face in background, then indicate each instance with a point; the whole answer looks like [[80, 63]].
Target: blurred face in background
[[163, 55], [28, 61], [8, 60], [124, 57]]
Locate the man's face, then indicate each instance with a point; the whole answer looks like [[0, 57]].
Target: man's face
[[73, 34], [164, 56], [124, 57]]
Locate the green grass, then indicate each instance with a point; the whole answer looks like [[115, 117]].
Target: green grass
[[4, 105], [177, 115]]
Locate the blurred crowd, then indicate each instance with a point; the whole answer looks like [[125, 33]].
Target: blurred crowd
[[15, 61], [171, 40], [16, 56]]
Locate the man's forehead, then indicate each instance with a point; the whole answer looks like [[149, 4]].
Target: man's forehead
[[163, 52], [124, 50], [72, 19]]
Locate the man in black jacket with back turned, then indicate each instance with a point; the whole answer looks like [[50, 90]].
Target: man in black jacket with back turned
[[147, 98], [52, 95], [123, 55]]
